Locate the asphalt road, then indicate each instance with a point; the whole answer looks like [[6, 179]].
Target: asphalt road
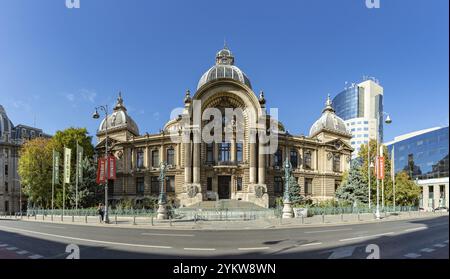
[[418, 238]]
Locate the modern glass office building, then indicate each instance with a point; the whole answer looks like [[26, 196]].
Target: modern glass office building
[[424, 156], [361, 107]]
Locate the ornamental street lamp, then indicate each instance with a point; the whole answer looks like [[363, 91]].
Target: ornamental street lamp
[[162, 200], [287, 204], [387, 121], [96, 115]]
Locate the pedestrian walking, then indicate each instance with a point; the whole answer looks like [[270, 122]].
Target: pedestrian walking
[[101, 212]]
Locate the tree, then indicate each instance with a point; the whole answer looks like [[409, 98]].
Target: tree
[[362, 155], [354, 189], [294, 191], [407, 193], [35, 171], [69, 138]]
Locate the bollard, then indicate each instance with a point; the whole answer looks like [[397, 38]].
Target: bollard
[[35, 216], [134, 220], [152, 221], [170, 220], [115, 219], [303, 219], [323, 218], [62, 218], [342, 217], [85, 218], [28, 216], [73, 218], [359, 219], [43, 217], [52, 217]]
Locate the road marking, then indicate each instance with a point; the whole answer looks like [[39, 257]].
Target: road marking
[[342, 252], [416, 229], [311, 244], [428, 250], [23, 252], [12, 248], [366, 236], [166, 234], [440, 245], [3, 245], [253, 248], [200, 249], [53, 227], [336, 230], [35, 257], [412, 255], [89, 240]]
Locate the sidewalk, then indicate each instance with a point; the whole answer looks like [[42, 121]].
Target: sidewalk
[[272, 223]]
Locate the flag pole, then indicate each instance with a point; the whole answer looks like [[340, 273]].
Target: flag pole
[[53, 182], [76, 180]]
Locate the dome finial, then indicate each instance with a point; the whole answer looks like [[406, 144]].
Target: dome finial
[[187, 98], [119, 104], [225, 43], [262, 99], [328, 105]]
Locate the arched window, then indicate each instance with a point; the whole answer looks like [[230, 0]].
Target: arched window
[[239, 152], [307, 158], [337, 163], [278, 158], [140, 159], [155, 158], [294, 158], [171, 156]]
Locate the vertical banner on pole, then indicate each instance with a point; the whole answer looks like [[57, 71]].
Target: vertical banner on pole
[[78, 172], [111, 168], [66, 178], [393, 174], [380, 168], [101, 171], [55, 174]]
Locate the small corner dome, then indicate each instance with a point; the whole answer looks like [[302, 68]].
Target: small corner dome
[[224, 69], [119, 119], [329, 121], [6, 125]]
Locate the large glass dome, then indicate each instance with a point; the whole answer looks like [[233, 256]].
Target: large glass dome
[[224, 69]]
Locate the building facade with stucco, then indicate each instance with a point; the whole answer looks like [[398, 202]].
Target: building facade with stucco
[[240, 166]]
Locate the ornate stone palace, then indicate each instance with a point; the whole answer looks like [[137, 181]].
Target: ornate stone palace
[[235, 169]]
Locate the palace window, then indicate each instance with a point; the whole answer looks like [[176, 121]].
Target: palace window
[[140, 185], [308, 186], [224, 151], [170, 184], [6, 186], [171, 156], [337, 163], [239, 152], [154, 185], [308, 158], [6, 170], [278, 158], [209, 184], [209, 152], [294, 158], [155, 158], [140, 159], [278, 184], [239, 184]]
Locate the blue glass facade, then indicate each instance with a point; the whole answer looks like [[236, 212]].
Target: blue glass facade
[[423, 156], [349, 103]]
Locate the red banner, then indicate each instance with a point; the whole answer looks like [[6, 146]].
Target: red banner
[[101, 171], [112, 168], [380, 168]]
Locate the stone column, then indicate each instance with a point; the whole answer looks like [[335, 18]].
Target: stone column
[[216, 152], [261, 165], [233, 149], [196, 164], [187, 163], [253, 154], [446, 194], [437, 195], [300, 158], [425, 197]]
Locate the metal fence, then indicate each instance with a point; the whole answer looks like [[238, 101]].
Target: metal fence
[[226, 214], [90, 212], [355, 210]]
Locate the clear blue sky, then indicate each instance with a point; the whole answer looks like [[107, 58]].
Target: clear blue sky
[[56, 64]]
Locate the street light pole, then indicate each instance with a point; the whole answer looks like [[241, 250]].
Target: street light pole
[[377, 167], [96, 116]]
